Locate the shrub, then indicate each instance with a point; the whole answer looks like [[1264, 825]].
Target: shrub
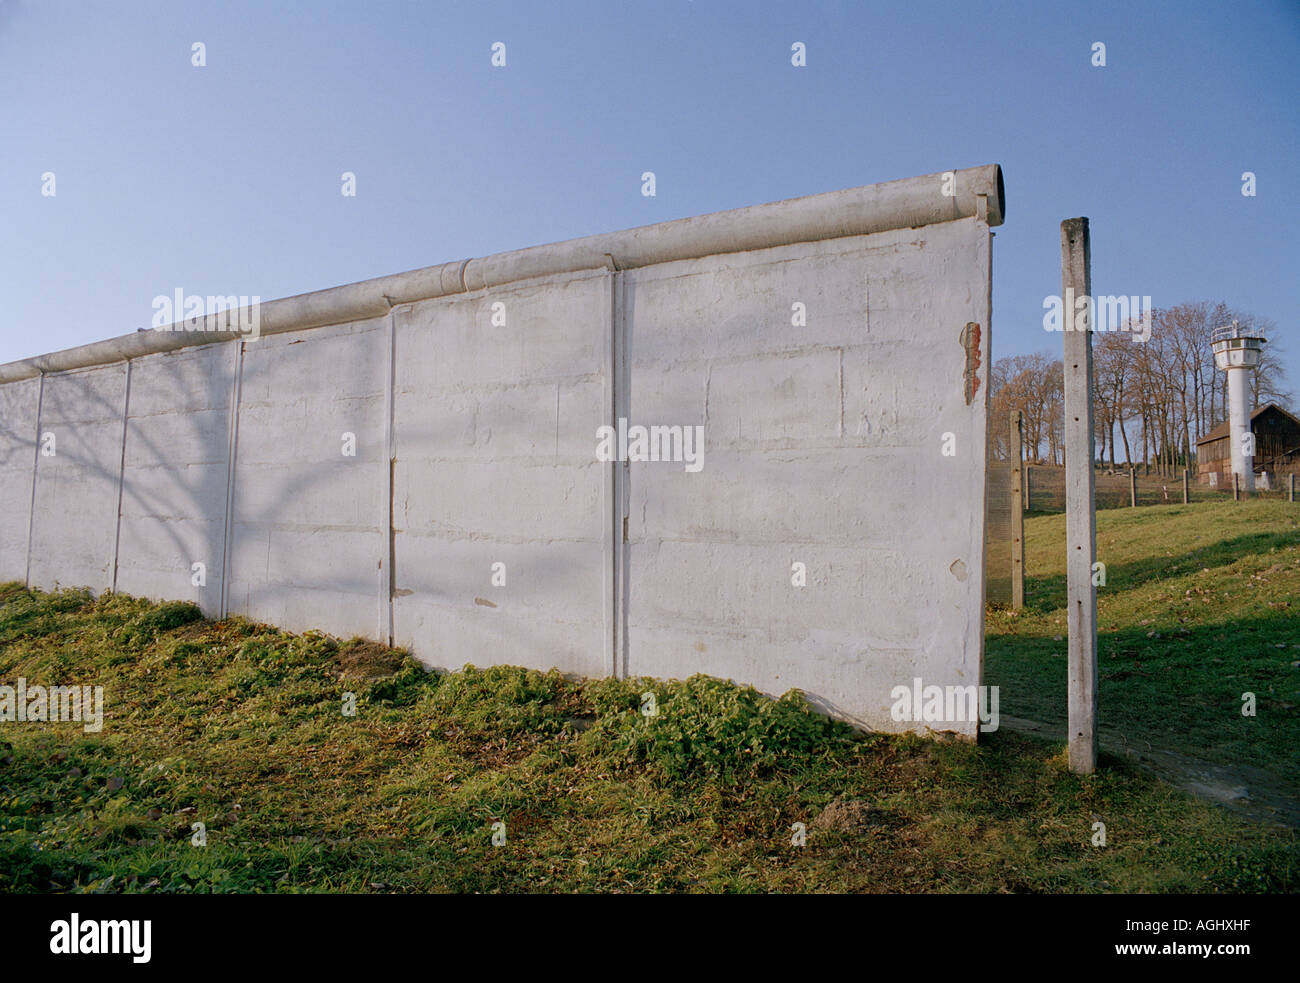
[[502, 699], [707, 727], [169, 615]]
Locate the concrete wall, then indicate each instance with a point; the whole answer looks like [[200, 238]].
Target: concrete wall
[[824, 447], [306, 531], [414, 459], [74, 519], [174, 475], [495, 430], [18, 402]]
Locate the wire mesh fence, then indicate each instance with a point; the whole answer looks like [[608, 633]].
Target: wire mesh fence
[[997, 513], [1043, 491], [1114, 490], [997, 535]]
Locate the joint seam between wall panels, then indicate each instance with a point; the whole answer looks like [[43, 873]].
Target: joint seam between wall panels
[[622, 377], [388, 580], [614, 480], [121, 471], [232, 448], [36, 465], [608, 575]]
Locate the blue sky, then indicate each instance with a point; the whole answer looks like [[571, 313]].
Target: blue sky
[[226, 178]]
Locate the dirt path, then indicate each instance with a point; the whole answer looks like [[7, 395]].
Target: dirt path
[[1249, 792]]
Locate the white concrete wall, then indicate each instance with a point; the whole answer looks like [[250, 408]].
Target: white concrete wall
[[475, 445], [17, 467], [495, 431], [823, 446], [306, 535], [74, 525], [174, 486]]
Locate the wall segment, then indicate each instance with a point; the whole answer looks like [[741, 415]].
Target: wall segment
[[414, 457]]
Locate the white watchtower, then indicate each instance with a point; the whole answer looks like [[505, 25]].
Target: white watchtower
[[1236, 354]]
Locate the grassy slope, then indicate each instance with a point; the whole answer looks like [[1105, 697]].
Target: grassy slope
[[1201, 604], [239, 726]]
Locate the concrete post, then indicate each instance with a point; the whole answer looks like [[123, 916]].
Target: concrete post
[[1080, 504], [1017, 516], [1133, 487], [1187, 492]]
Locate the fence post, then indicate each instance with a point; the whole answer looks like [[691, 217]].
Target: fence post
[[1186, 489], [1133, 487], [1236, 486], [1291, 490], [1029, 487], [1080, 502], [1017, 516]]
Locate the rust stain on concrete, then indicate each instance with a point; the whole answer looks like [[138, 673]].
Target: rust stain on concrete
[[970, 341]]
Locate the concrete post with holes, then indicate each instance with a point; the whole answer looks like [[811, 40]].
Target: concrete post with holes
[[1080, 504]]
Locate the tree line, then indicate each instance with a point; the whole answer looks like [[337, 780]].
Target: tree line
[[1151, 399]]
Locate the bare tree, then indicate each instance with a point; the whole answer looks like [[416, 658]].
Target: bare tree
[[1166, 388]]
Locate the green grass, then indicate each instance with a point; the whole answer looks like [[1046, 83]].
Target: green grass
[[240, 727], [1201, 605]]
